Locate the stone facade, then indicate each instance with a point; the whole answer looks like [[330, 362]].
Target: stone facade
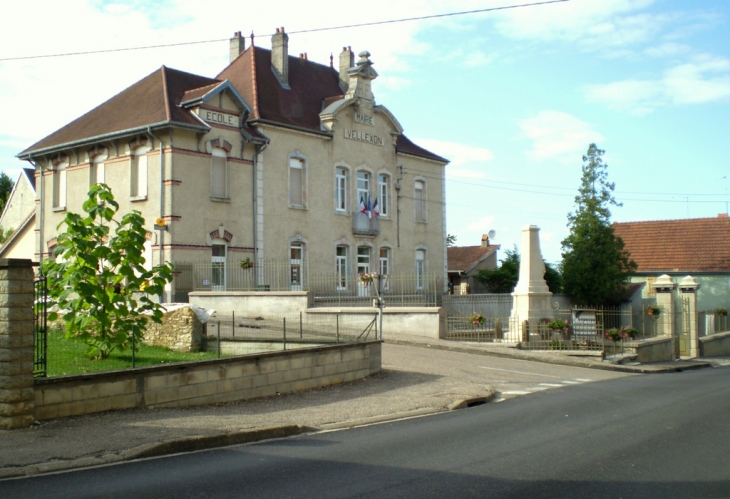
[[180, 330]]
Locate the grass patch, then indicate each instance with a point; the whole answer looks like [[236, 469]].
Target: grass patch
[[69, 356]]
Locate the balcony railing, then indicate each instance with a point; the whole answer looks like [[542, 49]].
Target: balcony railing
[[365, 226]]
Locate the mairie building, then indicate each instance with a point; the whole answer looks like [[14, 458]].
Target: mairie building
[[276, 159]]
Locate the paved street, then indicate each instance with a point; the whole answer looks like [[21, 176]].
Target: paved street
[[509, 377], [662, 436]]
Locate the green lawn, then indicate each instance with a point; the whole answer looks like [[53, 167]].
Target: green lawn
[[69, 357]]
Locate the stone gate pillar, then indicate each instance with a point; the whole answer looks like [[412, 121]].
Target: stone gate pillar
[[17, 396], [664, 288], [531, 297], [688, 286]]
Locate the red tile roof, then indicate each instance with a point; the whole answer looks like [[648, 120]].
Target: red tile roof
[[156, 100], [463, 258], [689, 245], [151, 100]]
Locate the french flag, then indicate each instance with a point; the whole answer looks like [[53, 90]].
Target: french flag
[[363, 209], [376, 209], [369, 211]]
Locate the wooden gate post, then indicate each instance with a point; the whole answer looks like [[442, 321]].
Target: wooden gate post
[[688, 286], [17, 396]]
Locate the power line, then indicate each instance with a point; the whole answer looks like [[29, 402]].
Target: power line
[[312, 30]]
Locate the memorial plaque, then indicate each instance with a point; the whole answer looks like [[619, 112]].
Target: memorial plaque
[[584, 323]]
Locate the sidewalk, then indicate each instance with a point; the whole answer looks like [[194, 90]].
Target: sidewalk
[[392, 394], [588, 359]]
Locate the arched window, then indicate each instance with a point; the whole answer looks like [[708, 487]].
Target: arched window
[[420, 268], [96, 172], [341, 267], [59, 185]]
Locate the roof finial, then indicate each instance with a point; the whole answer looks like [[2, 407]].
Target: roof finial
[[251, 38], [332, 60]]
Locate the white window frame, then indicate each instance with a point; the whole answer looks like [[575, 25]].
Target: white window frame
[[341, 268], [384, 261], [384, 194], [297, 163], [138, 174], [419, 201], [420, 268], [218, 262], [341, 189], [296, 265], [363, 191], [217, 152]]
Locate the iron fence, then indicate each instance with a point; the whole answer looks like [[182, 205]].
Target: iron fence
[[228, 336], [40, 327], [398, 290]]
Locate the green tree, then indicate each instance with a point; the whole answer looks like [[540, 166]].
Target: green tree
[[504, 278], [5, 234], [6, 186], [98, 280], [595, 264], [450, 240]]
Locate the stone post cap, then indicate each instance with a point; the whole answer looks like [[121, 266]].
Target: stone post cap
[[530, 227], [688, 284], [663, 282]]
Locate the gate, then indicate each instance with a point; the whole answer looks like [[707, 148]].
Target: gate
[[40, 327]]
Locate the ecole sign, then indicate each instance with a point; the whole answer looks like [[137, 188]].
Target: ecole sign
[[219, 118]]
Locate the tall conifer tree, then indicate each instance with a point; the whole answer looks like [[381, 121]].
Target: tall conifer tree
[[595, 264]]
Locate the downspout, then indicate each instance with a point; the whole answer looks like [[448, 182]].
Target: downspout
[[162, 199], [259, 148], [40, 234]]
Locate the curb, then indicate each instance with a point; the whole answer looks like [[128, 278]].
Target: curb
[[559, 360], [186, 444]]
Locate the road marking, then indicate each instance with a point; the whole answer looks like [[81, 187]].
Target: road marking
[[569, 382], [551, 384], [515, 392], [518, 372], [582, 379]]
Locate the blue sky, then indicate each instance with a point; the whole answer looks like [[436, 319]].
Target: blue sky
[[512, 97]]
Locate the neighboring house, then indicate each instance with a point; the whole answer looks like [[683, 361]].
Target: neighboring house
[[699, 247], [273, 160], [466, 261], [19, 215]]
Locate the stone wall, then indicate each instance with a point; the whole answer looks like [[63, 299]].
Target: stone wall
[[251, 303], [16, 344], [180, 330], [205, 382], [716, 345]]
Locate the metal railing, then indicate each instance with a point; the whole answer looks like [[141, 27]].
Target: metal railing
[[228, 336], [364, 225], [399, 290], [40, 327]]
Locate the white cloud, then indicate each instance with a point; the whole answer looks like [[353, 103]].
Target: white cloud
[[459, 154], [594, 24], [706, 79], [476, 59], [557, 134], [482, 225], [668, 49]]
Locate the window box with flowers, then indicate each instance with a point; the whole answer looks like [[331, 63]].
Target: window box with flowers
[[653, 311], [721, 312]]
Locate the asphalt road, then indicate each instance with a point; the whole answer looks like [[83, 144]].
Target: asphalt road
[[509, 377], [663, 436]]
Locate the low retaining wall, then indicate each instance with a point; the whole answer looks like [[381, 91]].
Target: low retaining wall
[[716, 345], [205, 382], [251, 303], [415, 321], [653, 350]]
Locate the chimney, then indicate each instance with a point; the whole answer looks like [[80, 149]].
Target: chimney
[[347, 60], [722, 215], [238, 45], [485, 240], [280, 55]]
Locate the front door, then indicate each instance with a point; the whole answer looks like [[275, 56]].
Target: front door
[[218, 270], [363, 267]]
